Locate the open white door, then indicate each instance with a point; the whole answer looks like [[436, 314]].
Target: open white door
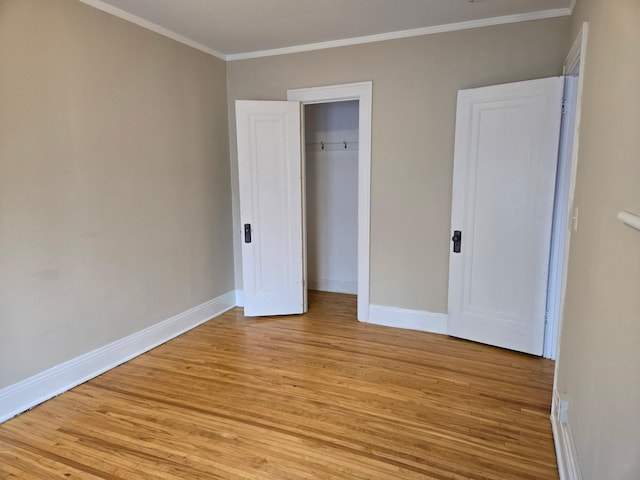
[[270, 176], [506, 150]]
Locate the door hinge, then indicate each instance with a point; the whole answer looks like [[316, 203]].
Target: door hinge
[[564, 107]]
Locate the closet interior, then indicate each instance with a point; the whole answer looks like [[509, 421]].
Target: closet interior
[[331, 163]]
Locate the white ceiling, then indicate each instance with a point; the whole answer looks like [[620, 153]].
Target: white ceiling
[[234, 28]]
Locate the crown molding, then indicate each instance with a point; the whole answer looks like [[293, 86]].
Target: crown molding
[[105, 7], [450, 27]]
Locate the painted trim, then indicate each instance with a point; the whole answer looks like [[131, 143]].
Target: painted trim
[[560, 217], [575, 65], [141, 22], [335, 286], [572, 62], [411, 319], [239, 298], [415, 32], [568, 465], [567, 458], [34, 390], [363, 92]]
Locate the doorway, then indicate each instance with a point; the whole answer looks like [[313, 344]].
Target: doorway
[[565, 213], [361, 93], [331, 178]]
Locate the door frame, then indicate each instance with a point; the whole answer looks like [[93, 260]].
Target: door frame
[[560, 216], [574, 66], [362, 92]]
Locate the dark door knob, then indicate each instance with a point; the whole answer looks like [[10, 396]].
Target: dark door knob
[[457, 241]]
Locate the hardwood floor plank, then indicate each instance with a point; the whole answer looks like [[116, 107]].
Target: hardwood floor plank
[[313, 396]]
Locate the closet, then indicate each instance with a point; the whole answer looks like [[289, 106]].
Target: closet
[[331, 162]]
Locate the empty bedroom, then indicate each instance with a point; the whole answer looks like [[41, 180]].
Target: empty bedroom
[[347, 239]]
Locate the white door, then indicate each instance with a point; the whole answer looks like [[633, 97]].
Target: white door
[[506, 150], [270, 176]]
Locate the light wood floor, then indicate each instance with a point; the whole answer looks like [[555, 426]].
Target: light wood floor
[[316, 396]]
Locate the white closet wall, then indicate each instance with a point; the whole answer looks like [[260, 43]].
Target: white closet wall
[[332, 196]]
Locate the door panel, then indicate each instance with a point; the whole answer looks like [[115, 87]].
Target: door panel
[[504, 176], [270, 181]]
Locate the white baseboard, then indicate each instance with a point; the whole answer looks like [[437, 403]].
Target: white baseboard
[[336, 286], [32, 391], [410, 319], [568, 466]]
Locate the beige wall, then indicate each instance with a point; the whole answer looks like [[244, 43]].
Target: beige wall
[[115, 199], [115, 203], [415, 83], [599, 362]]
